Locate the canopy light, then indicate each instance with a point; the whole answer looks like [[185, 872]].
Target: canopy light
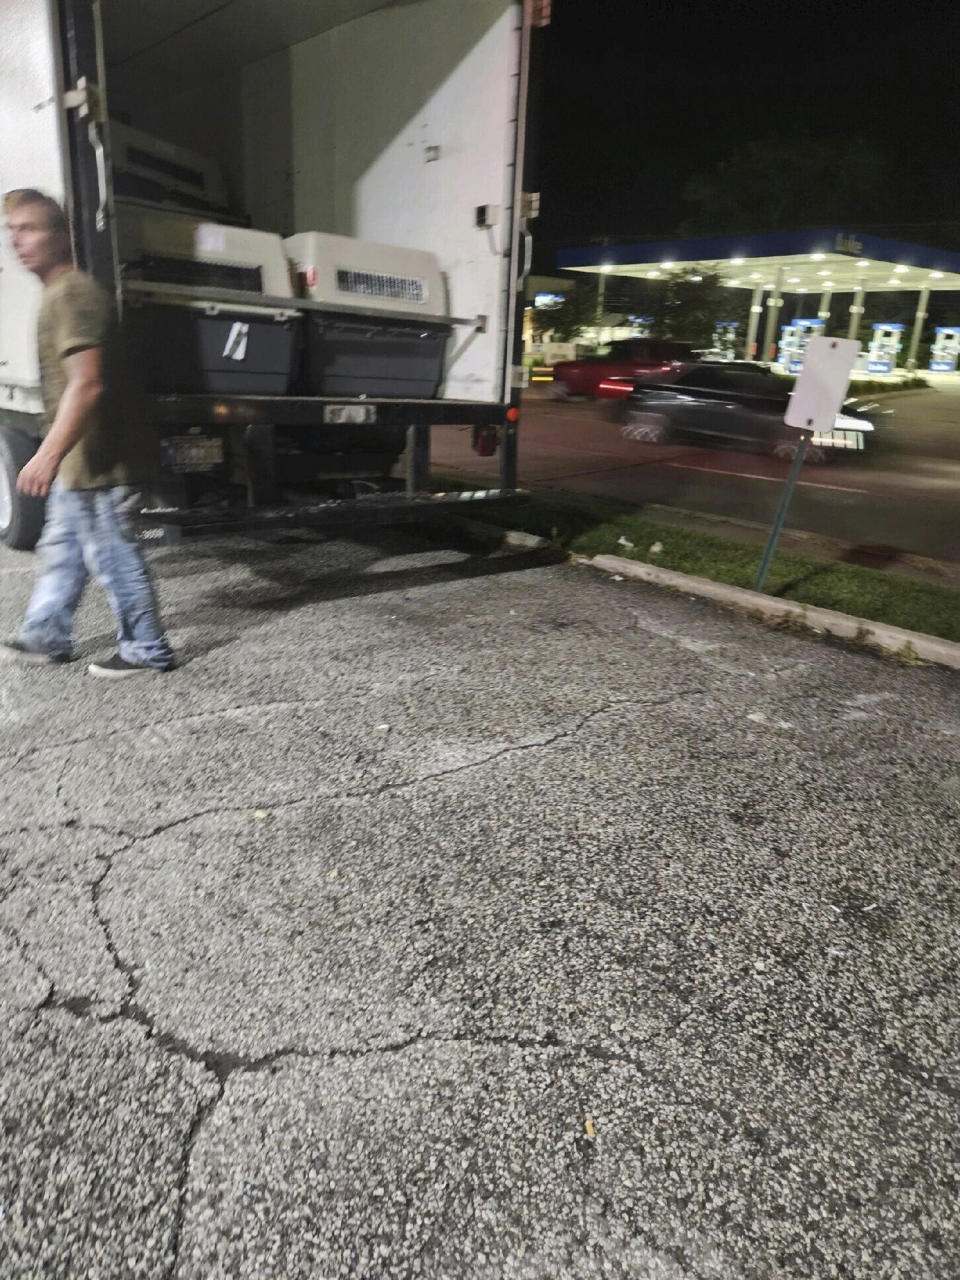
[[821, 259]]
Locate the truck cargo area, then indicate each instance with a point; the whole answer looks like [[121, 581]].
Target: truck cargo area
[[390, 123], [310, 214], [307, 283]]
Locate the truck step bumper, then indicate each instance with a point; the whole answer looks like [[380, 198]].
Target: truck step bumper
[[167, 526]]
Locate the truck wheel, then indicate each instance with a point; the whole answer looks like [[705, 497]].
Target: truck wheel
[[21, 519]]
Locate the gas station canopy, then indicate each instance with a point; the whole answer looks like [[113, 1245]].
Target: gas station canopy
[[823, 262], [807, 262]]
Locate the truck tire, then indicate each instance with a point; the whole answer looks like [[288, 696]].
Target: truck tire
[[21, 519]]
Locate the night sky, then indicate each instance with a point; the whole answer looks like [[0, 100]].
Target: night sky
[[640, 95]]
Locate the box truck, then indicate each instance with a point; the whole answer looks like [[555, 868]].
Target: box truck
[[314, 217]]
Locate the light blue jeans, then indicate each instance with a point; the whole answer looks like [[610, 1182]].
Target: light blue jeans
[[89, 532]]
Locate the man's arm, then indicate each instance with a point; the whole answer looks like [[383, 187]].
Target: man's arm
[[84, 388]]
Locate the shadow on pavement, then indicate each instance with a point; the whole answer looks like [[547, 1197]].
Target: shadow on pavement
[[280, 589]]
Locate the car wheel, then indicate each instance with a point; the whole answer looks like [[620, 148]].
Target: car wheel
[[648, 428], [21, 518], [559, 391], [786, 450]]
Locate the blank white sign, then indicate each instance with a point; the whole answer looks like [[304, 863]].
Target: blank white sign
[[822, 385]]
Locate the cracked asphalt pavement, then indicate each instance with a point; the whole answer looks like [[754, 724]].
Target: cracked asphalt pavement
[[455, 913]]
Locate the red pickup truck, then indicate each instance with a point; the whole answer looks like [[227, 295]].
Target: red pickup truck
[[613, 374]]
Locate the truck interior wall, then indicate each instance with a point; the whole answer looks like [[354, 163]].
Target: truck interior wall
[[203, 114], [31, 155], [396, 128]]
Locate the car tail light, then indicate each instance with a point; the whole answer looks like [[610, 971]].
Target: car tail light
[[614, 388]]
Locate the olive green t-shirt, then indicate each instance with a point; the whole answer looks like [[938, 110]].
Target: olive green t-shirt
[[116, 448]]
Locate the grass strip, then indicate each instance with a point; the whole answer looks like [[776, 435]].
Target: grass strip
[[602, 528]]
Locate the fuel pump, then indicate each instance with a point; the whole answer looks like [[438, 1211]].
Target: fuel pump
[[793, 343], [788, 344], [725, 339], [945, 350], [884, 347]]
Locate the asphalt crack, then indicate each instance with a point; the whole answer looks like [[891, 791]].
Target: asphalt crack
[[537, 744], [222, 1065], [139, 730], [67, 824], [201, 1116]]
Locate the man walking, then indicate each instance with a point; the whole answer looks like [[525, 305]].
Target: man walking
[[94, 455]]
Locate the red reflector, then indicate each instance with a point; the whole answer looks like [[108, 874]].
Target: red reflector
[[513, 414], [485, 441]]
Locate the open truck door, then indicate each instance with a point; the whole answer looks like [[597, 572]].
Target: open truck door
[[87, 137]]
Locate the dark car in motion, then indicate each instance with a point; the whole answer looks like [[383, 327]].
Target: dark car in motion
[[740, 403]]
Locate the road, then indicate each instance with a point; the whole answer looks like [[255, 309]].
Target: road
[[909, 503], [459, 915]]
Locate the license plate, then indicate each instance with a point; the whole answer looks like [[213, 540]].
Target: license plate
[[839, 439], [337, 414], [194, 453]]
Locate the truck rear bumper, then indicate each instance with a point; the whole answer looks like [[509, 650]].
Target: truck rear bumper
[[305, 411], [166, 526]]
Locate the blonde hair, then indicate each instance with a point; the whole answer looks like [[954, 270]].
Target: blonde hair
[[56, 218]]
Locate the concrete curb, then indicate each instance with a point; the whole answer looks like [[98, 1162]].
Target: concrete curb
[[910, 646], [896, 641], [503, 537]]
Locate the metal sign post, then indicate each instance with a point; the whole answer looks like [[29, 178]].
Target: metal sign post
[[778, 522], [814, 404]]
